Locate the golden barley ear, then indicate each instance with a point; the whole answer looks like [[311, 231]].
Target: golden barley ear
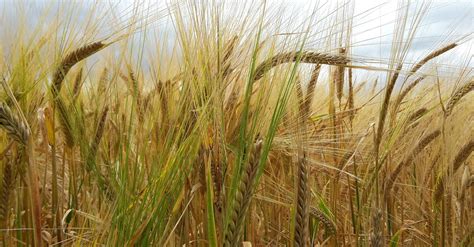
[[70, 60], [404, 93], [457, 96], [15, 128], [459, 159], [416, 115], [78, 81], [5, 192], [301, 56], [228, 51], [422, 144], [310, 89], [326, 221], [243, 198], [376, 237], [301, 216], [430, 56], [385, 104], [463, 154], [339, 77]]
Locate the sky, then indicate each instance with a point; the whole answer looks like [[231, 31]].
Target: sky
[[373, 22]]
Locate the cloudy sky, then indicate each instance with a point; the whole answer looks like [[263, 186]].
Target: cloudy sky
[[373, 20]]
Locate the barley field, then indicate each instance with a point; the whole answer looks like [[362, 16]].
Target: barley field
[[236, 123]]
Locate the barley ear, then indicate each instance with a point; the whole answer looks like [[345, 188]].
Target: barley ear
[[5, 192], [457, 96], [15, 128], [69, 61], [422, 144], [326, 221], [242, 199], [376, 236], [303, 57]]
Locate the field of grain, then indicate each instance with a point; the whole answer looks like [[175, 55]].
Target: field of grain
[[227, 123]]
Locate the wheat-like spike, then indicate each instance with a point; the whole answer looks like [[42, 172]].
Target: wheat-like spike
[[439, 189], [463, 154], [300, 96], [162, 89], [303, 57], [327, 222], [15, 128], [350, 99], [66, 123], [98, 136], [242, 199], [103, 182], [422, 144], [301, 217], [138, 94], [432, 55], [461, 92], [386, 101], [404, 93], [431, 167], [339, 77], [5, 191], [77, 85], [416, 115], [459, 159], [70, 60], [376, 237], [310, 89], [228, 50]]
